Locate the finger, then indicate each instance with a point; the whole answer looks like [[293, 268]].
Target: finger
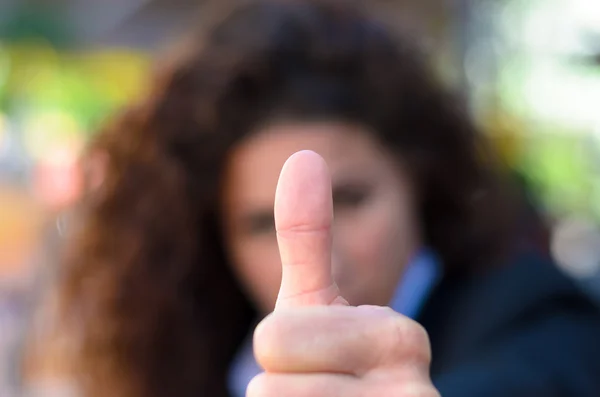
[[303, 217], [335, 385], [339, 339], [304, 385]]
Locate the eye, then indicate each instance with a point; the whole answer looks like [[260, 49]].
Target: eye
[[260, 223], [350, 196]]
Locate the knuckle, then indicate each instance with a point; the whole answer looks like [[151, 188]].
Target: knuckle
[[407, 340], [269, 339], [406, 389], [417, 390], [259, 387]]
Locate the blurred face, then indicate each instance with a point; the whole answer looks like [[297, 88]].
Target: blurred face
[[374, 232]]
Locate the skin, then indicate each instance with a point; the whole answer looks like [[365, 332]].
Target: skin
[[314, 343], [375, 229]]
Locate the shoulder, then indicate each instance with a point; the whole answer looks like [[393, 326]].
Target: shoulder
[[526, 312]]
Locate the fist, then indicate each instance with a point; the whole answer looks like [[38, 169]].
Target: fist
[[314, 343]]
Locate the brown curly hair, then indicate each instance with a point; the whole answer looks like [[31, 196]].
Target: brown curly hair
[[149, 285]]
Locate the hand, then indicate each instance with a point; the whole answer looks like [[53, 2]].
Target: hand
[[315, 344]]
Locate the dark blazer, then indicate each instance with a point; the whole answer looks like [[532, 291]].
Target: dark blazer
[[523, 330]]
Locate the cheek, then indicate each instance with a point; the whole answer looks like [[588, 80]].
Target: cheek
[[258, 267], [377, 243]]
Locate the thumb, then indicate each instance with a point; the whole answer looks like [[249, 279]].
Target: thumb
[[303, 218]]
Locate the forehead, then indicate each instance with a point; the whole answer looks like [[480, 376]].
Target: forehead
[[254, 165]]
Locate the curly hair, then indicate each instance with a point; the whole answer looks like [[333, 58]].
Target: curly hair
[[148, 282]]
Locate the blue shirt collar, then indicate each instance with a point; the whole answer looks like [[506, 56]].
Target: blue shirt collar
[[420, 277]]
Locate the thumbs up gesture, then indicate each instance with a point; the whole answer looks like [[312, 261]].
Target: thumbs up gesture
[[314, 343]]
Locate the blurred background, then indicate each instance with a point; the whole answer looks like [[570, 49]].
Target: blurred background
[[530, 70]]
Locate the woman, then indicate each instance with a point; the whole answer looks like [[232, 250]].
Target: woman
[[178, 258]]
